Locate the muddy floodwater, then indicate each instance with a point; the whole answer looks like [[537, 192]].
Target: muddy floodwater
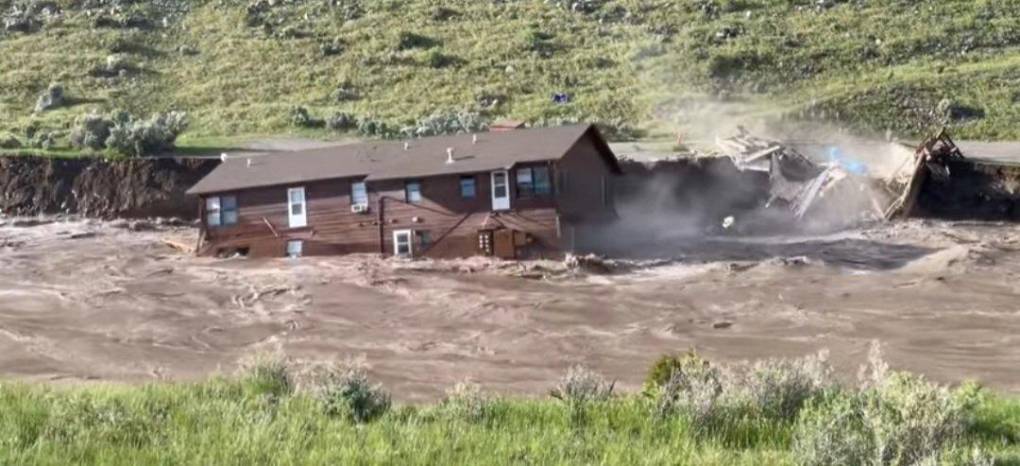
[[87, 300]]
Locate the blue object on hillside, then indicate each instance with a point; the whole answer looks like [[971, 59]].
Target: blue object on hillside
[[561, 98], [848, 163]]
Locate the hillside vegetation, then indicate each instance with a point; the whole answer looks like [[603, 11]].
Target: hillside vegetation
[[691, 412], [380, 67]]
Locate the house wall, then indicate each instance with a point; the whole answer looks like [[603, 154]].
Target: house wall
[[582, 175], [332, 227], [451, 222]]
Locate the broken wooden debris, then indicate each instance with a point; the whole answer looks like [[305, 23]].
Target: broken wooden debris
[[931, 158]]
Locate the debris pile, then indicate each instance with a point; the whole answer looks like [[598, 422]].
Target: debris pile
[[839, 188]]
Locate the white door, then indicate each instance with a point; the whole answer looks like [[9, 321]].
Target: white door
[[500, 190], [295, 248], [298, 212], [402, 246]]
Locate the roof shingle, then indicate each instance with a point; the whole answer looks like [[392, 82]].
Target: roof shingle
[[390, 160]]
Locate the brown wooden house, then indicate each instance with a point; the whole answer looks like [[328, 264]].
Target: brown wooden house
[[522, 193]]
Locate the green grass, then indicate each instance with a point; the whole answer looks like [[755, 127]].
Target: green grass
[[226, 421], [883, 65]]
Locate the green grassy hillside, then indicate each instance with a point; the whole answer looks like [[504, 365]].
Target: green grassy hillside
[[238, 67]]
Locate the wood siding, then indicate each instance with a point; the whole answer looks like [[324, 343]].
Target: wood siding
[[531, 228]]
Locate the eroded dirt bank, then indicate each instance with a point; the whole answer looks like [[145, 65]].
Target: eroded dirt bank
[[100, 188], [88, 300]]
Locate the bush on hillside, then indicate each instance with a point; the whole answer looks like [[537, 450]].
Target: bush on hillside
[[342, 121], [302, 118], [126, 135], [9, 141], [343, 389], [410, 40], [142, 137], [91, 131], [29, 15], [442, 123], [51, 99]]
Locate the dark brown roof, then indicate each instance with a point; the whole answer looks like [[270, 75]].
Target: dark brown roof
[[389, 160]]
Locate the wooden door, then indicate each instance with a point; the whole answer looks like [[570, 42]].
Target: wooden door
[[503, 244]]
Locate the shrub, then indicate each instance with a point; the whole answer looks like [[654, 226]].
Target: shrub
[[343, 389], [897, 419], [664, 367], [91, 131], [779, 388], [467, 401], [342, 121], [266, 375], [375, 128], [437, 59], [129, 136], [446, 123], [8, 141], [51, 99], [693, 390], [582, 385], [410, 40], [301, 117], [832, 431]]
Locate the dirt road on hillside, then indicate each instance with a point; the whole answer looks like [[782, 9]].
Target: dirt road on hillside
[[85, 300]]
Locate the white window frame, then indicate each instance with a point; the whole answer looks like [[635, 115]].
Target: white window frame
[[297, 219], [397, 242]]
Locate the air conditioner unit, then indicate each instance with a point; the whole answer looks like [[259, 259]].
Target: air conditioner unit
[[359, 208]]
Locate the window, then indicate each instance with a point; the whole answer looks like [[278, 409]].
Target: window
[[424, 239], [295, 248], [412, 192], [533, 181], [467, 186], [359, 194], [402, 243], [221, 211]]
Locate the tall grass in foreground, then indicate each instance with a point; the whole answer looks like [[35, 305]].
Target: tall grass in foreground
[[769, 412]]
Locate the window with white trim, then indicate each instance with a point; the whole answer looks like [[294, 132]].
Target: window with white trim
[[220, 211]]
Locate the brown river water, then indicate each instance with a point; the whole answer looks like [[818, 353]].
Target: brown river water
[[94, 301]]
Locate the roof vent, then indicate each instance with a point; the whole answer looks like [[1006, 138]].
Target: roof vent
[[449, 155], [474, 139], [407, 145], [223, 157], [248, 162]]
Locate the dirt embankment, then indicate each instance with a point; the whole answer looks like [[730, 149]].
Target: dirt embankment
[[100, 188]]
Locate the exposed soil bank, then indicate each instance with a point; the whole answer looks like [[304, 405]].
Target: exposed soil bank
[[100, 188], [974, 189]]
